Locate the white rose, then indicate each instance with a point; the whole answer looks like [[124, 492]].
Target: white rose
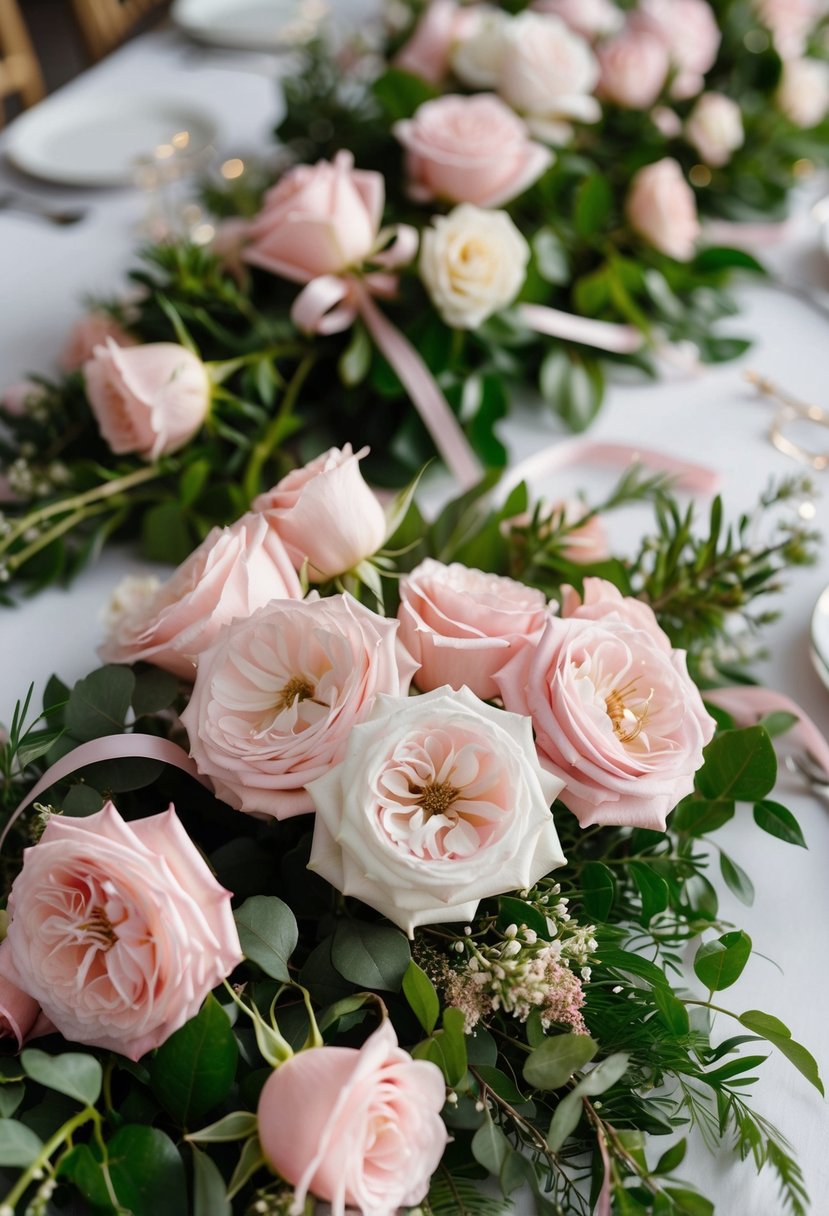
[[590, 18], [476, 60], [440, 802], [548, 74], [473, 263], [715, 128], [803, 95]]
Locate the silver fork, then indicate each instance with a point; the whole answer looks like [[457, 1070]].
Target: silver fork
[[62, 217], [804, 766]]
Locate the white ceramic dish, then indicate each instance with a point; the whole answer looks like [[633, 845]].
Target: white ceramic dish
[[258, 25], [820, 636], [93, 141]]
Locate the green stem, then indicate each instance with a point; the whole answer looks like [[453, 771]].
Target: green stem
[[46, 538], [60, 1137], [265, 446], [220, 370]]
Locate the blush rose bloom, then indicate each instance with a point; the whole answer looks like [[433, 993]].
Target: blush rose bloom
[[715, 128], [583, 543], [591, 18], [462, 625], [600, 599], [634, 69], [616, 715], [147, 399], [803, 93], [21, 398], [690, 32], [91, 331], [318, 219], [548, 74], [370, 1134], [233, 572], [325, 514], [439, 802], [276, 699], [790, 23], [428, 51], [119, 930], [469, 150], [473, 263], [476, 61], [661, 208]]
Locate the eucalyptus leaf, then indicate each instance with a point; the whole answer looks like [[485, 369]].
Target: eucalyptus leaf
[[268, 934], [19, 1146], [554, 1061], [370, 955], [74, 1073], [98, 705], [420, 992]]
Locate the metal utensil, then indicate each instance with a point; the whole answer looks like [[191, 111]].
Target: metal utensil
[[62, 217], [803, 766]]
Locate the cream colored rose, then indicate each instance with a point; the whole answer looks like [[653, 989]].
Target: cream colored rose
[[472, 263], [715, 128], [803, 95], [477, 59]]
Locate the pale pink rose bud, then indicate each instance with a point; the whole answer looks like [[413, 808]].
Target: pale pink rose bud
[[318, 219], [19, 398], [427, 53], [690, 32], [591, 18], [548, 74], [147, 399], [277, 697], [325, 514], [661, 208], [470, 150], [119, 930], [803, 93], [19, 1013], [616, 716], [461, 625], [790, 23], [439, 802], [233, 572], [370, 1134], [634, 69], [666, 121], [91, 331], [715, 128]]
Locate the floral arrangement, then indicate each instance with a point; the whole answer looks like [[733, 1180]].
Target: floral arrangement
[[460, 778], [474, 202]]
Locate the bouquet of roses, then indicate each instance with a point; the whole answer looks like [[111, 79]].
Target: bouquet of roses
[[426, 977]]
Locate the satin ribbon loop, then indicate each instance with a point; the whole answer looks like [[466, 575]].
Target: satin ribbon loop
[[603, 335], [325, 306], [401, 242], [749, 704]]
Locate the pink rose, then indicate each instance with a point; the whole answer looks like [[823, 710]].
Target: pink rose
[[18, 399], [20, 1015], [442, 26], [91, 331], [634, 68], [591, 18], [690, 32], [470, 150], [601, 599], [715, 128], [147, 399], [276, 699], [548, 74], [438, 803], [325, 514], [233, 572], [370, 1135], [119, 930], [803, 93], [661, 208], [318, 219], [790, 22], [462, 625], [616, 716]]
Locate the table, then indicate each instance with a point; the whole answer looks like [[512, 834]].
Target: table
[[714, 419]]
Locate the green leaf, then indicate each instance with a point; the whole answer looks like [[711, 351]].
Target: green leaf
[[370, 955], [573, 386], [238, 1125], [35, 745], [155, 690], [209, 1194], [551, 257], [699, 816], [778, 821], [737, 880], [10, 1098], [147, 1172], [166, 535], [420, 992], [446, 1047], [593, 203], [553, 1063], [84, 1169], [490, 1147], [268, 934], [400, 93], [674, 1013], [598, 890], [499, 1083], [739, 764], [193, 480], [720, 963], [250, 1160], [652, 889], [194, 1069], [723, 258], [565, 1120], [355, 360], [98, 704], [778, 722], [75, 1074], [779, 1035], [514, 911], [604, 1075], [81, 800], [19, 1146], [671, 1158], [689, 1203]]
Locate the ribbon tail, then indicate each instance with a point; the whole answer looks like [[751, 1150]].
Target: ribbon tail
[[748, 704], [603, 335], [420, 384], [112, 747]]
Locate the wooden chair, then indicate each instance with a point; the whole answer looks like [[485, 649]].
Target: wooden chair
[[20, 73], [105, 24]]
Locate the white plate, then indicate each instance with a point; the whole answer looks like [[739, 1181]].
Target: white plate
[[259, 25], [820, 636], [95, 141]]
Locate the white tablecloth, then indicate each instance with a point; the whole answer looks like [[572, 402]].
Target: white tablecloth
[[716, 420]]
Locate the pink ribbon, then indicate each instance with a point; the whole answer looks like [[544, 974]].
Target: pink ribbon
[[695, 478], [603, 335], [112, 747], [748, 704]]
